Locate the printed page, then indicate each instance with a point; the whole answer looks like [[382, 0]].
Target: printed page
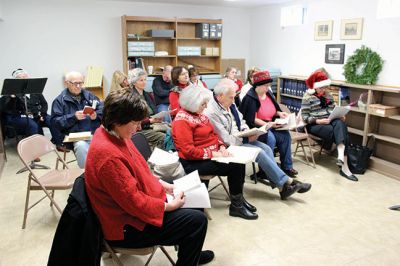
[[162, 114], [197, 198], [338, 112], [240, 154], [290, 124], [254, 131], [161, 157], [187, 182], [76, 136]]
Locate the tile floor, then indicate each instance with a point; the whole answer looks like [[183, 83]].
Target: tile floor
[[338, 222]]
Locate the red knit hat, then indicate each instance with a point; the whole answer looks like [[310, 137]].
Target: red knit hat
[[261, 78], [316, 80]]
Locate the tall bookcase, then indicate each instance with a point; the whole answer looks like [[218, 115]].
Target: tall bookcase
[[185, 35], [362, 122]]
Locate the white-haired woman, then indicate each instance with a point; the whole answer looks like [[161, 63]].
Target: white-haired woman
[[196, 143], [137, 82]]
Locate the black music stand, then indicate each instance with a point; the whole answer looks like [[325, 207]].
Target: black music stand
[[23, 87]]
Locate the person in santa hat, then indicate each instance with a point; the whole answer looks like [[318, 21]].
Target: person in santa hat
[[317, 104], [259, 107]]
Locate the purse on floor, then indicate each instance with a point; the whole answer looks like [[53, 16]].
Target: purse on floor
[[358, 156]]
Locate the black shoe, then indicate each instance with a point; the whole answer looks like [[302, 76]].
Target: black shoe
[[62, 148], [238, 209], [291, 172], [249, 206], [206, 256], [350, 177], [304, 187], [339, 163], [289, 190]]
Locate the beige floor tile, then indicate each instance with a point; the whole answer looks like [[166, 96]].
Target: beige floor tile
[[338, 222]]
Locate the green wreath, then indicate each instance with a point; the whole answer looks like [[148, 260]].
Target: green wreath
[[363, 66]]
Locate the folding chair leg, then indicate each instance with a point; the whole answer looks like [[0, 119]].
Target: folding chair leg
[[167, 255], [311, 152], [254, 172], [26, 205], [52, 195], [304, 152], [151, 256], [297, 147]]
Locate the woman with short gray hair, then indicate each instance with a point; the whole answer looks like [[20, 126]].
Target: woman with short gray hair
[[196, 143], [137, 83]]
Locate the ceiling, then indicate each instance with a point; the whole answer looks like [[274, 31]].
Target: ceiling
[[227, 3]]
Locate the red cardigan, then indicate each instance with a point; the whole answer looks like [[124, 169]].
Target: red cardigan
[[194, 136], [120, 186], [174, 98]]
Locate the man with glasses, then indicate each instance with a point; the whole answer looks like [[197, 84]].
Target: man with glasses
[[68, 116]]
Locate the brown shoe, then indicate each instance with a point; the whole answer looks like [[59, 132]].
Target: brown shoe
[[62, 148], [37, 160]]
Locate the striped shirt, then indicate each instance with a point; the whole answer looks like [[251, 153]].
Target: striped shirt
[[312, 109]]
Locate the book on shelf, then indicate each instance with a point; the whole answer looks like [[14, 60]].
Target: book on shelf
[[286, 123], [77, 136], [196, 193], [255, 131], [239, 154]]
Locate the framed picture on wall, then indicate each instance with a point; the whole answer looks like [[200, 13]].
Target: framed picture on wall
[[351, 29], [334, 53], [323, 30]]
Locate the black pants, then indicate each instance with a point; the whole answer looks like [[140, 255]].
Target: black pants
[[234, 171], [335, 132], [186, 228]]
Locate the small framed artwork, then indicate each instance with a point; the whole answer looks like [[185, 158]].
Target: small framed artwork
[[323, 30], [334, 53], [351, 29]]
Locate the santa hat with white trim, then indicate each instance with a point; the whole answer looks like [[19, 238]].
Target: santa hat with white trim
[[316, 80]]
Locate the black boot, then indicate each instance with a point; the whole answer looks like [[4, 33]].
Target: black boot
[[248, 206], [238, 209]]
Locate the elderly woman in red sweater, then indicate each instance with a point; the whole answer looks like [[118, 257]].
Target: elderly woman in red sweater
[[129, 201], [197, 143]]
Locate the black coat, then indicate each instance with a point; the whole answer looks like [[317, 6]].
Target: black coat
[[250, 105], [78, 237]]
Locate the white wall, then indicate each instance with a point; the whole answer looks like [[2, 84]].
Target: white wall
[[294, 50], [48, 38]]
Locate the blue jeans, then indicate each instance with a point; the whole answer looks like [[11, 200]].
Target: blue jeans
[[282, 140], [266, 161], [81, 149], [23, 125], [164, 107]]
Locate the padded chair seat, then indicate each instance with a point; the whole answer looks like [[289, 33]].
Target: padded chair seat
[[135, 251]]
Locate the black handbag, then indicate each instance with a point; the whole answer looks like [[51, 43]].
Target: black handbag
[[358, 156]]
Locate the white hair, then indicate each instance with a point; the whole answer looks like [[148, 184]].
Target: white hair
[[73, 74], [193, 97], [135, 74], [167, 68], [224, 85]]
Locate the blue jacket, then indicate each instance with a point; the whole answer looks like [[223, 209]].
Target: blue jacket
[[63, 112], [250, 105]]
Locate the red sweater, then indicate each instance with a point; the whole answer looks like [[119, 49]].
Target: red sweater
[[120, 186], [194, 136], [174, 98]]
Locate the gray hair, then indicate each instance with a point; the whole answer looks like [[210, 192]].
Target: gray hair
[[224, 85], [193, 97], [135, 74], [73, 74], [167, 68]]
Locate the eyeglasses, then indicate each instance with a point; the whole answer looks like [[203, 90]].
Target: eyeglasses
[[76, 84]]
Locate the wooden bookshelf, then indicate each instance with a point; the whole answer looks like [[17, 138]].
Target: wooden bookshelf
[[185, 35], [361, 122]]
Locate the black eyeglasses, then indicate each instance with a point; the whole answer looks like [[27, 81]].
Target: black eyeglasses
[[76, 84]]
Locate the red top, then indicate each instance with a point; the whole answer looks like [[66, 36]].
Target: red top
[[240, 85], [120, 186], [174, 98], [194, 136], [267, 109]]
